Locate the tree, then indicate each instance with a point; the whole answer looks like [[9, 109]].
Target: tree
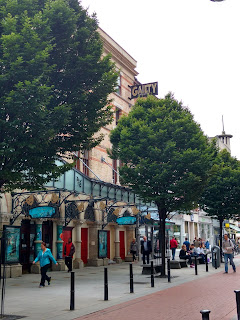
[[54, 88], [165, 154], [221, 197]]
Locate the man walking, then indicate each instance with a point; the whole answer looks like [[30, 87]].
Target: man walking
[[69, 252], [173, 247], [187, 244], [146, 249], [228, 253]]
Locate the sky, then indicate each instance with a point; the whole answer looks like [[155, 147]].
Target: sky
[[191, 47]]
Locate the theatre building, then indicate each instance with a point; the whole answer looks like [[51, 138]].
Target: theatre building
[[87, 203]]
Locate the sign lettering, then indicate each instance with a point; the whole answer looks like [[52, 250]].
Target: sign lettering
[[143, 90]]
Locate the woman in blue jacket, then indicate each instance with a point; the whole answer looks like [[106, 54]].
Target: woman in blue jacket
[[44, 256]]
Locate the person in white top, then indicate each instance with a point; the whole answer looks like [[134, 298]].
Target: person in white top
[[228, 247]]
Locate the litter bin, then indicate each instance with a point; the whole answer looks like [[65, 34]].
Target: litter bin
[[216, 258]]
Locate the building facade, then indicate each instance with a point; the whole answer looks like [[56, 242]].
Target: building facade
[[85, 204]]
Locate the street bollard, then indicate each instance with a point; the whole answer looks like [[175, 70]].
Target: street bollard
[[152, 275], [72, 291], [205, 314], [105, 284], [238, 303], [131, 278], [168, 269], [196, 265], [215, 257], [206, 262]]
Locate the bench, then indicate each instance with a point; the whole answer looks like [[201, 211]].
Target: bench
[[175, 264], [183, 263], [146, 268]]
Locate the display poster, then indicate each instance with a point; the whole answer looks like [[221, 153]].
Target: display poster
[[102, 244], [12, 244]]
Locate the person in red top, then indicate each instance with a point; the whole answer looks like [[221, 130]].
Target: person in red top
[[173, 247], [69, 252]]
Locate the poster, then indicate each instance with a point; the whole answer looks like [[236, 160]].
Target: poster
[[102, 244], [12, 242]]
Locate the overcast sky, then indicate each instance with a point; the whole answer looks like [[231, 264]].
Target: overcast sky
[[191, 47]]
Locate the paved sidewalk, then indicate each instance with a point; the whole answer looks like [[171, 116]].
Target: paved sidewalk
[[24, 298]]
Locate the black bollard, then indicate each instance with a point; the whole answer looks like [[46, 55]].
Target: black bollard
[[131, 278], [215, 257], [168, 269], [152, 275], [105, 284], [205, 314], [72, 292], [206, 262], [238, 303], [196, 265]]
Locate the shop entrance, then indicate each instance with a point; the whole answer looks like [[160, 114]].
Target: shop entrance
[[47, 233], [84, 245], [108, 244], [27, 245], [67, 233], [122, 245]]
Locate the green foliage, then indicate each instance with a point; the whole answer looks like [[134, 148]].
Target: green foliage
[[54, 87], [167, 157], [221, 198]]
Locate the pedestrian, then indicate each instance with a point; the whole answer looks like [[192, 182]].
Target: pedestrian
[[183, 255], [69, 251], [187, 244], [173, 247], [207, 245], [196, 243], [228, 247], [134, 249], [146, 249], [44, 256]]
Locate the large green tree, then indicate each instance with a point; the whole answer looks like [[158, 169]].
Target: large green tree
[[166, 156], [221, 198], [54, 87]]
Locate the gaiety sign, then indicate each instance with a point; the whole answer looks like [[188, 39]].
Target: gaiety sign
[[143, 90]]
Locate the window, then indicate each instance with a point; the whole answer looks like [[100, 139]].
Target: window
[[118, 112], [80, 165], [118, 87], [114, 171], [77, 165], [86, 162]]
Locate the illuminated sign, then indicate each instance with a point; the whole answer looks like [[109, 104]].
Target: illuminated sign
[[126, 220], [143, 90], [42, 212]]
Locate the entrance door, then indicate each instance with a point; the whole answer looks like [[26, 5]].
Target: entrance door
[[108, 244], [122, 245], [47, 230], [27, 245], [66, 234], [84, 245]]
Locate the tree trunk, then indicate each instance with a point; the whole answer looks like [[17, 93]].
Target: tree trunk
[[221, 236], [162, 239]]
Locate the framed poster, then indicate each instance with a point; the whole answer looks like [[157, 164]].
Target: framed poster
[[102, 244], [12, 244]]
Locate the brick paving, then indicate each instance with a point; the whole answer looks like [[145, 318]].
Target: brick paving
[[214, 292]]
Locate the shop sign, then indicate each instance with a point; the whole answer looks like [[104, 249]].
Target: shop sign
[[126, 220], [144, 90], [42, 212], [12, 244]]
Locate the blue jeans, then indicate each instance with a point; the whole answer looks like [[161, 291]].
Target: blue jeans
[[230, 257], [173, 253]]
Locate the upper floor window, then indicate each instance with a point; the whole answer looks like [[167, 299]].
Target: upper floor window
[[118, 113], [118, 87]]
